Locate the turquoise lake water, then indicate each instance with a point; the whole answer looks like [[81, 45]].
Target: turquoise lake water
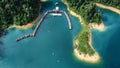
[[53, 45]]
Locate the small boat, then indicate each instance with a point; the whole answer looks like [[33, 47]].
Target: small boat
[[56, 14]]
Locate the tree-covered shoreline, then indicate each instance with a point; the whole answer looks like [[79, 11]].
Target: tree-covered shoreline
[[18, 12], [112, 3], [86, 9], [89, 14]]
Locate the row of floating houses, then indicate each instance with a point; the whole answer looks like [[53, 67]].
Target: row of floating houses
[[41, 20]]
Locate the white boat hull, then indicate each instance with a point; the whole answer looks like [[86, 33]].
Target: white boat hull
[[56, 14]]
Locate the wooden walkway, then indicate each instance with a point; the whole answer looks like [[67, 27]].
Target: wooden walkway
[[41, 20]]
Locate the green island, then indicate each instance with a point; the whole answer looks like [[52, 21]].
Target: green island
[[18, 12], [86, 10]]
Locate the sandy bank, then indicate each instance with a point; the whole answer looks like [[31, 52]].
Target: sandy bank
[[108, 7], [100, 27], [43, 0], [73, 13], [26, 26], [85, 57], [95, 57]]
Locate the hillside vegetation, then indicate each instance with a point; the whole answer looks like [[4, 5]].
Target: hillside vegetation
[[113, 3], [87, 10], [19, 12]]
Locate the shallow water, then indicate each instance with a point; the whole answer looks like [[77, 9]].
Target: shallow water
[[53, 46]]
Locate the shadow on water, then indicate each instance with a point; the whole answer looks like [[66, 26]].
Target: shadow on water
[[3, 33], [2, 48], [2, 52], [46, 5]]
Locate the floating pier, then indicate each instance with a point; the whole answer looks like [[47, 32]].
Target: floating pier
[[41, 20]]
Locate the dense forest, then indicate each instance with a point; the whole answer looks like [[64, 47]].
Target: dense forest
[[113, 3], [86, 9], [19, 12]]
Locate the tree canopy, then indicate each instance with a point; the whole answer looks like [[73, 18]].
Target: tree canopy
[[87, 8], [19, 12]]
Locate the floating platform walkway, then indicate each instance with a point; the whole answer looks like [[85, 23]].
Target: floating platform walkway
[[42, 19]]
